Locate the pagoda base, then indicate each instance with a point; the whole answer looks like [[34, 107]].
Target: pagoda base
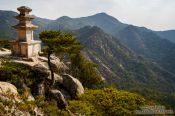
[[25, 49]]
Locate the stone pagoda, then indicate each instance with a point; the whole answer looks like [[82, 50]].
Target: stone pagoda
[[25, 45]]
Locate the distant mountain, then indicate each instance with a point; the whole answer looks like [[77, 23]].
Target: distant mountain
[[151, 46], [41, 23], [104, 50], [107, 23], [169, 35], [6, 21], [123, 68]]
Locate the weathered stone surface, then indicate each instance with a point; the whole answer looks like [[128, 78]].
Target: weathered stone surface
[[73, 85], [42, 70], [7, 87], [56, 64], [58, 78], [4, 52], [59, 98], [42, 59], [59, 65], [8, 92]]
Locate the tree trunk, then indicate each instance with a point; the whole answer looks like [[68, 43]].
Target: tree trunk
[[51, 70]]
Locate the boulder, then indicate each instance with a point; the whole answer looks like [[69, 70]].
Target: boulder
[[6, 90], [73, 85], [59, 98], [7, 87]]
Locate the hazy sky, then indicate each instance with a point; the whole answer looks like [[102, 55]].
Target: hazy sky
[[153, 14]]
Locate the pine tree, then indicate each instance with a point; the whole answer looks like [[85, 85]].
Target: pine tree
[[57, 42]]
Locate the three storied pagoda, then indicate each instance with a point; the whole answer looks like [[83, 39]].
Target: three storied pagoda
[[25, 45]]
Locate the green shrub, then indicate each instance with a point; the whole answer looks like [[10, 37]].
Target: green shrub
[[82, 108], [107, 102], [14, 72]]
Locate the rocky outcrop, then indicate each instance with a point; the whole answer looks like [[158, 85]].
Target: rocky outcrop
[[39, 66], [66, 86], [73, 85]]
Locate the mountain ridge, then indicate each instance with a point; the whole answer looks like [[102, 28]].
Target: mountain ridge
[[168, 34], [101, 16]]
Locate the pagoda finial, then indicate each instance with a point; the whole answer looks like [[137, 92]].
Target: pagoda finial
[[25, 19], [23, 9]]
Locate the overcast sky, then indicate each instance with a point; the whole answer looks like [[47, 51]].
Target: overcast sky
[[153, 14]]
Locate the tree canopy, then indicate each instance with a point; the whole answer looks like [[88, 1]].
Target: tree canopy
[[58, 42]]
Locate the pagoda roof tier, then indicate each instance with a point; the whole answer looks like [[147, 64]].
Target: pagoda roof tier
[[24, 9], [24, 17], [25, 26]]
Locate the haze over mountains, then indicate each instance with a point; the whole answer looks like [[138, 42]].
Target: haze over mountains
[[129, 57]]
